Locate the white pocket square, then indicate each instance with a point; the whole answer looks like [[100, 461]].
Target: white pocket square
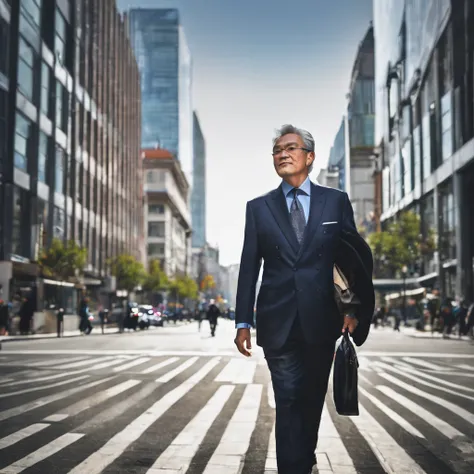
[[329, 223]]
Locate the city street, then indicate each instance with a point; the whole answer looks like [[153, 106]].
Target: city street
[[175, 400]]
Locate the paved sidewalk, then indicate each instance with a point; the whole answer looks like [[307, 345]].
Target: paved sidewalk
[[75, 333]]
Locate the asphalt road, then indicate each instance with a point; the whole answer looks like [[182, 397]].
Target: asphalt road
[[174, 400]]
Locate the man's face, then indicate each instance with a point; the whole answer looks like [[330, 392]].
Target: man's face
[[289, 156]]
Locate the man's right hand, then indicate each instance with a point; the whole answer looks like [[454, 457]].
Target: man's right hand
[[243, 341]]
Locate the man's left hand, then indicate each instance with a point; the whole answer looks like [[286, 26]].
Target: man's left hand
[[350, 323]]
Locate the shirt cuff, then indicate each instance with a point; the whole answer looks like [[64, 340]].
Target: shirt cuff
[[243, 326]]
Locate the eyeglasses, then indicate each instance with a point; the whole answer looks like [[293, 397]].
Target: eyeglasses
[[290, 149]]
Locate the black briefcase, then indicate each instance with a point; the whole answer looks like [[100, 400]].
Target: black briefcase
[[345, 378]]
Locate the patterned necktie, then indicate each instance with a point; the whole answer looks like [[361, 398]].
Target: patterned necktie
[[298, 222]]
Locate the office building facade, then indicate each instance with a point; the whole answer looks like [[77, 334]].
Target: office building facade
[[165, 67], [167, 214], [69, 135], [425, 130], [354, 140], [198, 195]]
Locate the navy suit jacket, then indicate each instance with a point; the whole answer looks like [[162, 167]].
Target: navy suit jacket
[[298, 279]]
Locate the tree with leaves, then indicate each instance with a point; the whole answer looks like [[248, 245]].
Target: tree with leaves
[[63, 261], [128, 271], [156, 279], [402, 243], [207, 283]]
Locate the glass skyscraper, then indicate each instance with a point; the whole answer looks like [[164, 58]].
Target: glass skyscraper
[[165, 66], [198, 197]]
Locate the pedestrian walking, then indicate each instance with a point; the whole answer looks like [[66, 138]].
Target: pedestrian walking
[[60, 322], [300, 230], [4, 318], [213, 314]]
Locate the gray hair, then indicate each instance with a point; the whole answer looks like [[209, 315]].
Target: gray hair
[[307, 138]]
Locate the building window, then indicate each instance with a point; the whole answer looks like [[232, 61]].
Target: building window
[[447, 226], [407, 168], [156, 229], [447, 126], [156, 209], [425, 128], [42, 157], [59, 106], [45, 89], [60, 38], [20, 224], [23, 136], [417, 156], [156, 249], [59, 223], [31, 10], [4, 41], [59, 170], [41, 227], [25, 69]]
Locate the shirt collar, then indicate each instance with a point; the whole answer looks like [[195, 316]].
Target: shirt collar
[[305, 187]]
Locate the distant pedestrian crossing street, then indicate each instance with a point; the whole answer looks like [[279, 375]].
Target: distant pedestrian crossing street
[[197, 413]]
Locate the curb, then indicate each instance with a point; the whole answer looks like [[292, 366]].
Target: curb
[[46, 336]]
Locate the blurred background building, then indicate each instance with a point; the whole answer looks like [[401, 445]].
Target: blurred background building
[[69, 137], [198, 194], [424, 131], [167, 214], [164, 61]]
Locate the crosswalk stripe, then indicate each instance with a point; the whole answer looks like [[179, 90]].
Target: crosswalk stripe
[[452, 407], [160, 365], [43, 387], [179, 454], [389, 453], [26, 381], [19, 410], [438, 380], [330, 442], [392, 414], [116, 445], [131, 364], [82, 363], [464, 367], [42, 453], [422, 382], [20, 435], [271, 462], [236, 439], [238, 371], [425, 364], [181, 368], [437, 423], [55, 362], [93, 400], [271, 395]]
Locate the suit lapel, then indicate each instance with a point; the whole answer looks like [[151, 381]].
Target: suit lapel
[[277, 203], [316, 208]]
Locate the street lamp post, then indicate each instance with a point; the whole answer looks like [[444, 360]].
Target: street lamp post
[[404, 275]]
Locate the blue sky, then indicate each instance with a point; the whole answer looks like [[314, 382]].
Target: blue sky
[[257, 65]]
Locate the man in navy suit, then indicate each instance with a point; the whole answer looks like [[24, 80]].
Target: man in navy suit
[[297, 231]]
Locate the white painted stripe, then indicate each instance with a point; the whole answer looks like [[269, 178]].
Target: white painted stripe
[[107, 454], [392, 414], [393, 361], [19, 410], [93, 400], [416, 379], [42, 453], [425, 364], [465, 367], [238, 371], [236, 438], [131, 364], [424, 375], [43, 387], [365, 364], [271, 460], [393, 458], [181, 368], [428, 417], [179, 454], [331, 444], [452, 407], [203, 353], [54, 376], [160, 365], [22, 434], [55, 362], [271, 395], [89, 361]]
